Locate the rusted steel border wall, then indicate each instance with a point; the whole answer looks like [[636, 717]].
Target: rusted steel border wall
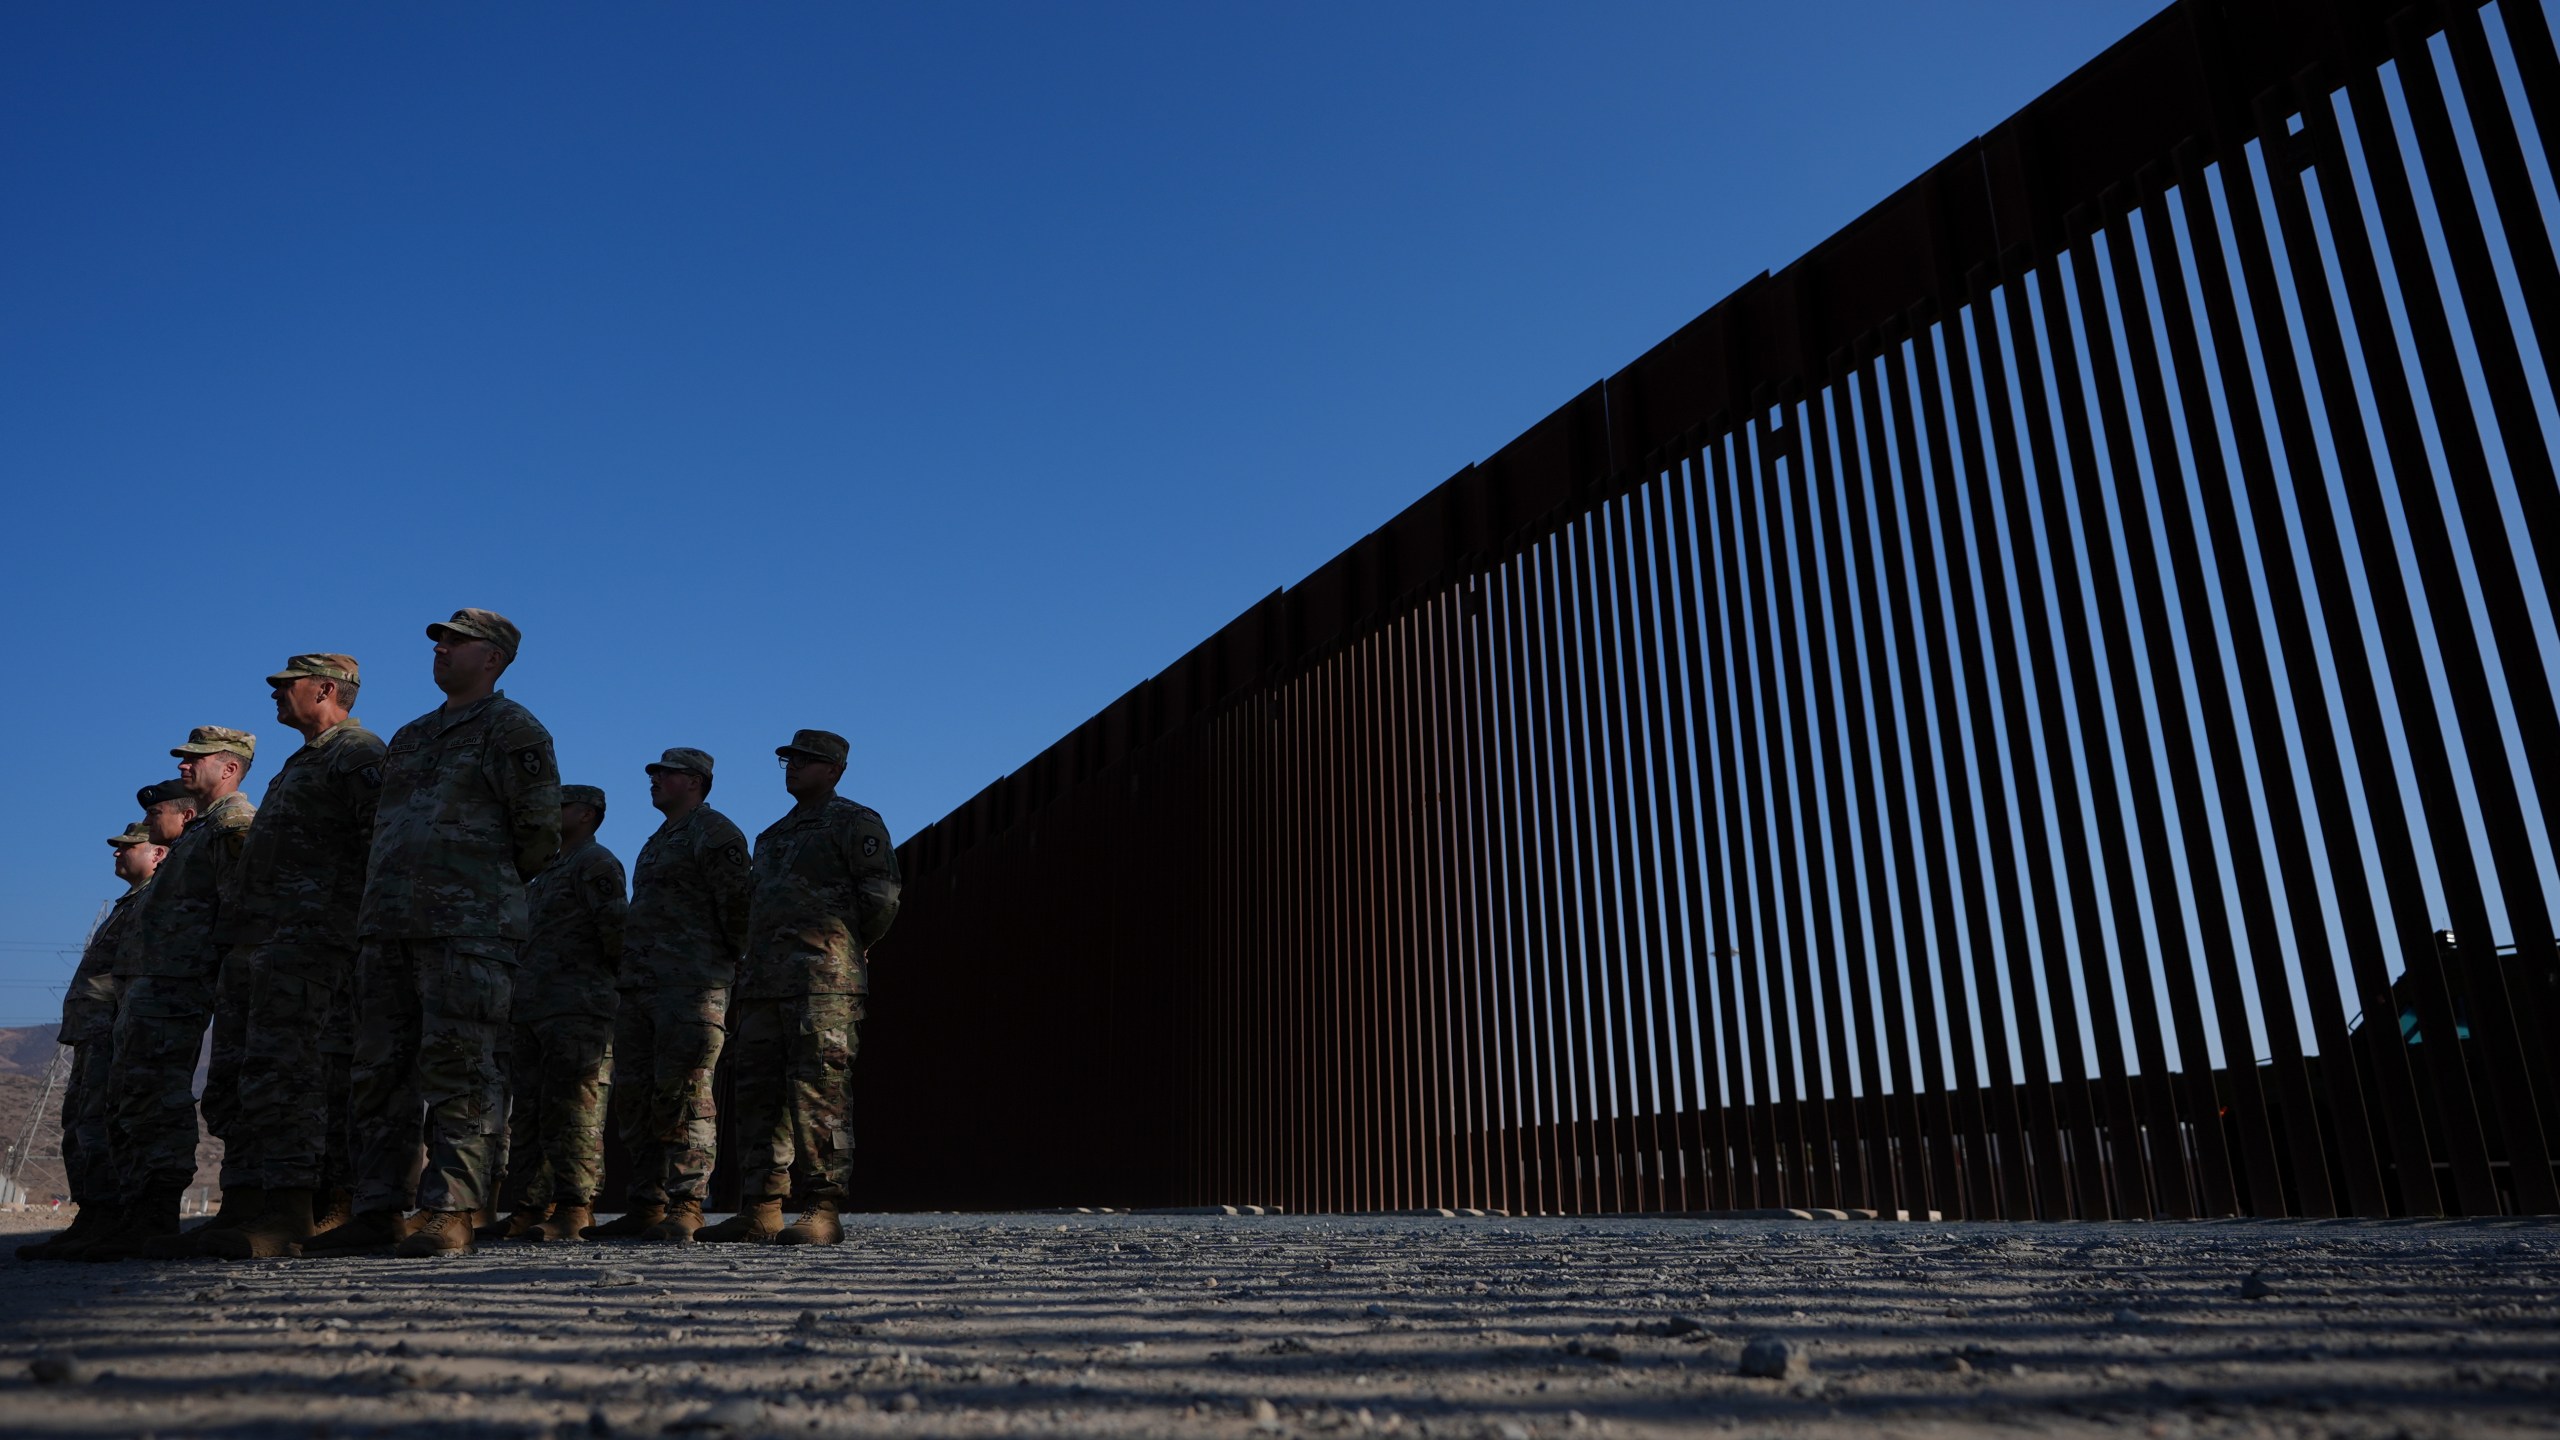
[[1970, 723]]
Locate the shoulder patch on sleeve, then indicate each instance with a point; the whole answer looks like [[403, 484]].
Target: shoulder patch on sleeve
[[605, 884], [733, 853], [531, 760], [870, 846], [370, 774]]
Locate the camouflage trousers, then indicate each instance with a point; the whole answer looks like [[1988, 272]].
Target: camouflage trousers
[[160, 1025], [279, 1130], [793, 1069], [666, 1042], [501, 1177], [559, 1071], [87, 1161], [337, 1080], [221, 1103], [430, 1017]]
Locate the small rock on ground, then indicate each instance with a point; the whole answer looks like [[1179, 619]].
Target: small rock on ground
[[1768, 1357], [55, 1367]]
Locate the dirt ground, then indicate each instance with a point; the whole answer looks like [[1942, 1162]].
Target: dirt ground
[[1149, 1325]]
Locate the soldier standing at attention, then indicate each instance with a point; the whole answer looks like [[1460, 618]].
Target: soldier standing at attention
[[166, 809], [289, 921], [826, 888], [167, 806], [88, 1027], [470, 811], [562, 1056], [171, 971], [689, 903]]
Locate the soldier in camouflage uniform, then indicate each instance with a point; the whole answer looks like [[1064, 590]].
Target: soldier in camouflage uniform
[[689, 908], [470, 811], [171, 972], [289, 922], [826, 889], [563, 1050], [88, 1027], [167, 806]]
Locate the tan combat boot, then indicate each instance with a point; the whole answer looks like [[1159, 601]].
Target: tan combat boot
[[634, 1222], [758, 1222], [364, 1230], [278, 1229], [439, 1232], [817, 1225], [239, 1202], [332, 1210], [83, 1227], [518, 1226], [569, 1221], [684, 1216], [152, 1218], [181, 1246], [93, 1224]]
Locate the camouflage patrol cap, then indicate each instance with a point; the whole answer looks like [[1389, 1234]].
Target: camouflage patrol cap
[[341, 668], [583, 795], [471, 624], [824, 745], [219, 740], [136, 833], [161, 792], [684, 758]]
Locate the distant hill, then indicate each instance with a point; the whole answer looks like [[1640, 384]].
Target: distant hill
[[42, 1174], [26, 1049]]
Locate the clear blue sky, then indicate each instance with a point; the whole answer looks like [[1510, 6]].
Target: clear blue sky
[[928, 375]]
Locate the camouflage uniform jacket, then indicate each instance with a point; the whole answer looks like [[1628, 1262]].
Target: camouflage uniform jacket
[[470, 811], [174, 932], [301, 875], [89, 1005], [568, 963], [826, 889], [689, 905]]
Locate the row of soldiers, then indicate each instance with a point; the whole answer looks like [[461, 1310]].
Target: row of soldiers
[[420, 972]]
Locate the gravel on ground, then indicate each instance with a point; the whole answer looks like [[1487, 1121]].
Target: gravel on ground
[[1252, 1325]]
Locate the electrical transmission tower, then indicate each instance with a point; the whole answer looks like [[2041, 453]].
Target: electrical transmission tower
[[57, 1073]]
